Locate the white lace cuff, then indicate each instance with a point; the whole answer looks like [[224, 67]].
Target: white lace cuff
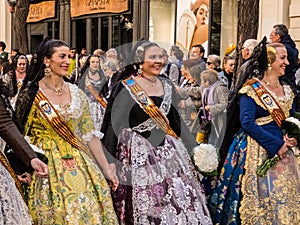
[[89, 135]]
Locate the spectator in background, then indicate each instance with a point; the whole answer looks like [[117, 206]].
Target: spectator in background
[[170, 69], [3, 54], [213, 62], [197, 52], [226, 75], [247, 51], [112, 55], [3, 65], [82, 53], [72, 56], [280, 34]]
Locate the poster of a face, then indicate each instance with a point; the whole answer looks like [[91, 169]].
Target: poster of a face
[[192, 23]]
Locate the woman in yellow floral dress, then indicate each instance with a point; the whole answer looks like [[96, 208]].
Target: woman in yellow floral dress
[[59, 127]]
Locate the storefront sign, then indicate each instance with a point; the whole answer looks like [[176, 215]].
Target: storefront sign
[[40, 11], [83, 7]]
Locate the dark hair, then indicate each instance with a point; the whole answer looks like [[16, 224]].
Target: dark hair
[[45, 49], [189, 63], [13, 65], [282, 30], [140, 51], [202, 49], [3, 45], [87, 64]]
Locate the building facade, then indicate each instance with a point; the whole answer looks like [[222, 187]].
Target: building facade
[[151, 19]]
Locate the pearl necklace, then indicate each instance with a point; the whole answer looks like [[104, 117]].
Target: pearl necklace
[[57, 91], [153, 82]]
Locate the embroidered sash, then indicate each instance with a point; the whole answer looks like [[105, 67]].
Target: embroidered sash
[[267, 100], [94, 93], [147, 104], [53, 118]]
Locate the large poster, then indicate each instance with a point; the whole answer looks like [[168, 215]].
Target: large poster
[[40, 11], [192, 23], [83, 7]]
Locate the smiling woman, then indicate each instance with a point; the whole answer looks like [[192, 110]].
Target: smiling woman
[[57, 121], [243, 195], [142, 129]]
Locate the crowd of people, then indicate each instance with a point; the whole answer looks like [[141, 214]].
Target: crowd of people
[[97, 141]]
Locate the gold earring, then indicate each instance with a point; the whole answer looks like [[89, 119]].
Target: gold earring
[[47, 70], [140, 70], [269, 67]]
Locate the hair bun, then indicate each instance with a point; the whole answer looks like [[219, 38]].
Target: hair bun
[[271, 54]]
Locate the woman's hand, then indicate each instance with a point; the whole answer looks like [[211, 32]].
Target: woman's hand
[[283, 150], [291, 142], [110, 173], [25, 178], [40, 167]]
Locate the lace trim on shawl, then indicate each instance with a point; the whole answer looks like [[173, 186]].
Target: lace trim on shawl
[[164, 108], [74, 109], [285, 102]]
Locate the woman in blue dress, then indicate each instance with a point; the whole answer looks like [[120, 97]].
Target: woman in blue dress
[[242, 196]]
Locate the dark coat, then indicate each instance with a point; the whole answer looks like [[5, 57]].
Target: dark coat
[[290, 70]]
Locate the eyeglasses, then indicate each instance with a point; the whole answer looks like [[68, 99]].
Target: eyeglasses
[[73, 52], [208, 63]]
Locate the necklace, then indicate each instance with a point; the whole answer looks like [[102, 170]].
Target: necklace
[[93, 72], [57, 91], [153, 82], [268, 84]]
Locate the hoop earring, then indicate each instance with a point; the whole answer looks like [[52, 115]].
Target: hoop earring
[[47, 70]]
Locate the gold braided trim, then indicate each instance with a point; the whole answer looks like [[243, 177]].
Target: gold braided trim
[[257, 207], [267, 100], [263, 120], [53, 118], [6, 165], [285, 102], [148, 106]]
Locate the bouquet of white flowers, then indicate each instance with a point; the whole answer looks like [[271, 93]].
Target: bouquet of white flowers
[[289, 126], [205, 158]]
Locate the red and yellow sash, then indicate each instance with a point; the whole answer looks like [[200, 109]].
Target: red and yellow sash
[[147, 104], [267, 100], [53, 118]]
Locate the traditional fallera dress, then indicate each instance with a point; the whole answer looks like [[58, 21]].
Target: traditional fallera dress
[[76, 191], [243, 197], [157, 179], [97, 109]]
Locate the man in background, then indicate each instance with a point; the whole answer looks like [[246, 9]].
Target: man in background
[[280, 34]]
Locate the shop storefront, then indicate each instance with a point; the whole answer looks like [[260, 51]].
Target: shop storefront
[[104, 24]]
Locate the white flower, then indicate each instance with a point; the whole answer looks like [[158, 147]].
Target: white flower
[[293, 120], [206, 158]]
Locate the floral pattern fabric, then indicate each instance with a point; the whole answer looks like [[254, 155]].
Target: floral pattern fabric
[[159, 184], [76, 191], [241, 196]]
